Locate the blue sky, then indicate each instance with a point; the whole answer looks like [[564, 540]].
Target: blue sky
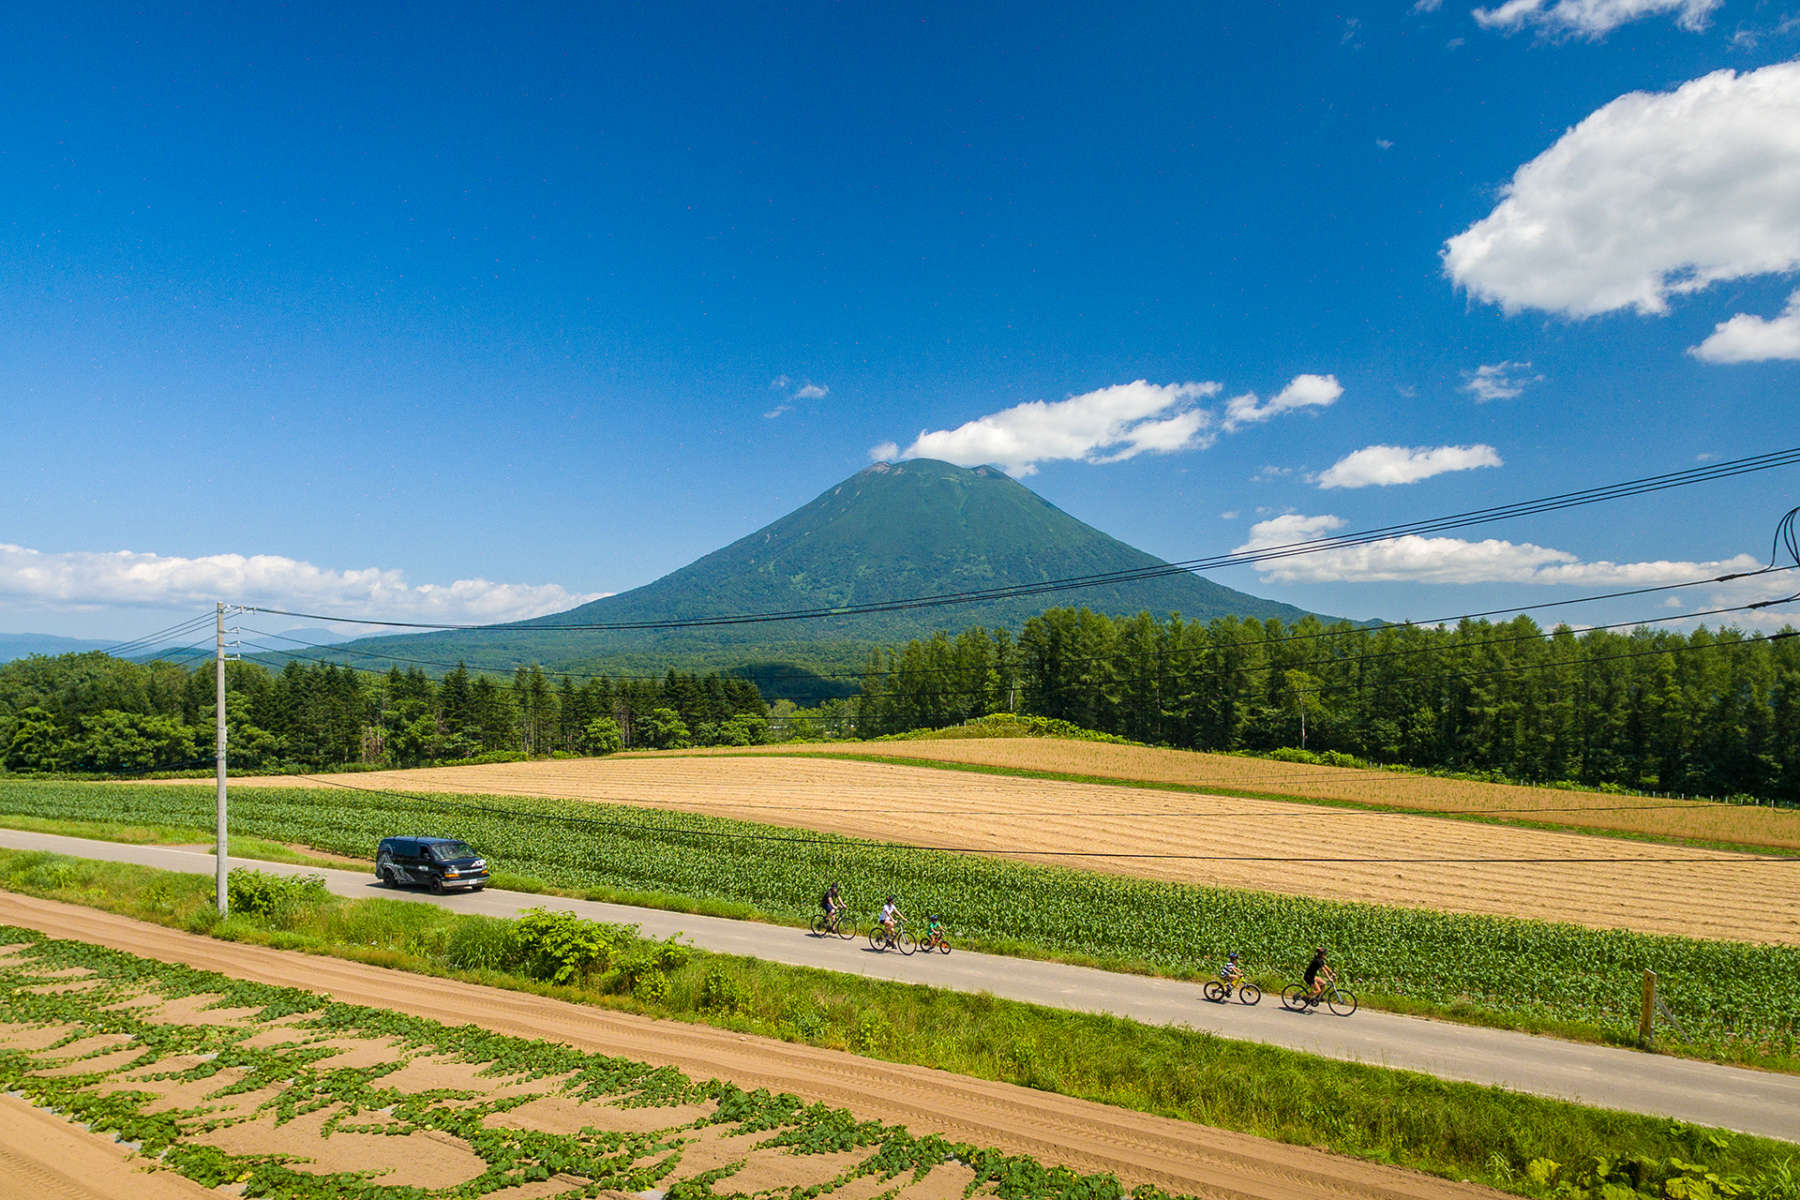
[[459, 312]]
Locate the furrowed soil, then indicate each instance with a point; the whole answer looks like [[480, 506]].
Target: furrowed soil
[[1452, 865], [1178, 1156]]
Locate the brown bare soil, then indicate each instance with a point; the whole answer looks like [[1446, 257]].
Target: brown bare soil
[[46, 1157], [1538, 873], [1176, 1155]]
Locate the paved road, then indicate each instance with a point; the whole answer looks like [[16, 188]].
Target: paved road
[[1706, 1093]]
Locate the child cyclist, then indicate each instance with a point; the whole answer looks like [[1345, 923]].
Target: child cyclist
[[1231, 974], [934, 930]]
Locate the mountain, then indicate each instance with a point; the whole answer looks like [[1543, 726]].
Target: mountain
[[892, 532], [23, 645]]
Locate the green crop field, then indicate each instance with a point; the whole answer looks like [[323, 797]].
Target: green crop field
[[1732, 1000]]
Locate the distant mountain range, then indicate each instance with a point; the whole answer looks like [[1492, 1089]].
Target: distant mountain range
[[890, 533], [24, 645]]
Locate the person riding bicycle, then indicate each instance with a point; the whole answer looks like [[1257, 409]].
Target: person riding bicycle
[[890, 913], [1231, 973], [830, 903], [1318, 974], [934, 928]]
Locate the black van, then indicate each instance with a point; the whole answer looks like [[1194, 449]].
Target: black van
[[437, 863]]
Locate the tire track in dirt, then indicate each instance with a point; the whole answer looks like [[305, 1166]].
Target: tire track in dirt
[[1176, 1155]]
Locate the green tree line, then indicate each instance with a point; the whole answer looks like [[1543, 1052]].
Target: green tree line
[[1712, 712], [92, 712]]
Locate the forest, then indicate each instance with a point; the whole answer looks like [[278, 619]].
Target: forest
[[94, 713], [1709, 712]]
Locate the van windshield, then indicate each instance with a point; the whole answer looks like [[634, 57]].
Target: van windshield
[[446, 851]]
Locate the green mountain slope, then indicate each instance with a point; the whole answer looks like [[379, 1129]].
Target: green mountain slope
[[891, 532]]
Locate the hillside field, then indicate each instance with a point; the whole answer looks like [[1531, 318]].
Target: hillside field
[[1180, 837]]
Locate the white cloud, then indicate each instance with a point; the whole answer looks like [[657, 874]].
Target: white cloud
[[1416, 559], [1747, 338], [811, 391], [128, 577], [885, 452], [1384, 143], [1305, 391], [1108, 425], [1382, 466], [1652, 195], [780, 410], [1592, 19], [779, 383], [1498, 381], [1427, 6]]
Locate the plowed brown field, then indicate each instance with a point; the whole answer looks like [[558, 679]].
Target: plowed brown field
[[1176, 1155], [1520, 872]]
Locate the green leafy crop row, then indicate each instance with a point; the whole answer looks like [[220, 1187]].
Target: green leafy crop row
[[302, 1078], [1731, 999]]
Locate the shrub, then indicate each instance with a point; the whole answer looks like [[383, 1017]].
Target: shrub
[[721, 992], [562, 948], [273, 897]]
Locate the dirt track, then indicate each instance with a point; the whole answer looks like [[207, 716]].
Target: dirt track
[[46, 1157], [1702, 893], [1176, 1155]]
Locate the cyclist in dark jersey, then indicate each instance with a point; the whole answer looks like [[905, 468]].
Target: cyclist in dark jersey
[[1318, 974], [830, 903]]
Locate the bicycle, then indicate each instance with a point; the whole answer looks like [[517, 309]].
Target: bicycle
[[934, 939], [840, 922], [900, 938], [1219, 990], [1297, 997]]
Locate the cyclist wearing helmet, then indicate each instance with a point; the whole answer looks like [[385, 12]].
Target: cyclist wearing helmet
[[1231, 972], [830, 903], [1318, 974]]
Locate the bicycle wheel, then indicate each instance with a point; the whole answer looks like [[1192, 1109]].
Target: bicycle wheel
[[906, 941], [878, 938], [819, 927], [1294, 997], [1342, 1002], [1214, 991], [943, 945], [1249, 993], [846, 928]]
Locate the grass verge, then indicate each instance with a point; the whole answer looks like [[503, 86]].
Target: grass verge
[[1455, 1130]]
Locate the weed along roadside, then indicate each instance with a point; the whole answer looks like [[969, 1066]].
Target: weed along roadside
[[1734, 1001], [1453, 1130]]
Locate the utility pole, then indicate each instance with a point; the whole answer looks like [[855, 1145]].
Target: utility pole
[[219, 724]]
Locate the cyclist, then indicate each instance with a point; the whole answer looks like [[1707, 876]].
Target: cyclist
[[934, 929], [1318, 974], [890, 913], [1230, 973], [830, 903]]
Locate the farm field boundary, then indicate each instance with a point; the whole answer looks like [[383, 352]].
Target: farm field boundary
[[1761, 1102], [1326, 852], [1676, 820], [1734, 1000], [238, 1007]]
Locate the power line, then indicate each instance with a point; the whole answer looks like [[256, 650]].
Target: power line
[[1633, 487], [1345, 631], [179, 629]]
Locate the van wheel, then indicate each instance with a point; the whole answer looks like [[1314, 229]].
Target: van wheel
[[387, 877], [437, 884]]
